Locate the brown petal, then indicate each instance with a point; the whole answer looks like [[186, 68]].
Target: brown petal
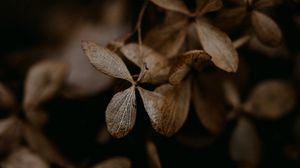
[[175, 108], [280, 51], [103, 136], [10, 134], [271, 99], [167, 39], [218, 45], [173, 5], [228, 19], [115, 162], [267, 31], [266, 3], [24, 158], [43, 82], [205, 6], [121, 113], [231, 94], [153, 103], [38, 143], [106, 61], [167, 107], [184, 62], [245, 145], [156, 66], [154, 161], [209, 107], [7, 99]]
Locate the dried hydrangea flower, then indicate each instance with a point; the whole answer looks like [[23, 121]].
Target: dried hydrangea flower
[[121, 111], [169, 38], [265, 29]]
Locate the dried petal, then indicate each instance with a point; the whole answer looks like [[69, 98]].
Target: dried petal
[[205, 6], [106, 61], [40, 144], [121, 113], [265, 3], [183, 64], [167, 39], [231, 94], [115, 162], [154, 161], [280, 51], [153, 102], [42, 82], [103, 136], [267, 31], [24, 158], [173, 5], [7, 99], [10, 134], [229, 19], [209, 107], [218, 45], [245, 145], [156, 66], [174, 109], [271, 99]]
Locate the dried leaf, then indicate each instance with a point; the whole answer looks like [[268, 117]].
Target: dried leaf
[[167, 39], [218, 45], [266, 30], [42, 82], [24, 158], [7, 99], [106, 61], [121, 113], [115, 162], [156, 66], [173, 5], [245, 145], [174, 109], [184, 63], [209, 108], [205, 6], [42, 146], [271, 99], [154, 161]]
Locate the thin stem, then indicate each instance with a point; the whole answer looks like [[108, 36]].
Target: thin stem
[[139, 22], [241, 41]]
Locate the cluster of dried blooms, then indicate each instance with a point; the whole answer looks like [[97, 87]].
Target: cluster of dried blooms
[[184, 71]]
